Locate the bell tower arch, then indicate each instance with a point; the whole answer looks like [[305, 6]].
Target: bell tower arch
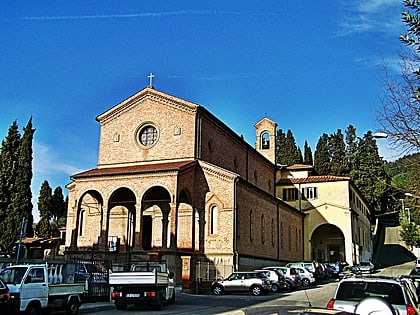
[[266, 138]]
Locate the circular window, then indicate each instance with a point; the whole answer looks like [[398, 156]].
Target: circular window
[[147, 135]]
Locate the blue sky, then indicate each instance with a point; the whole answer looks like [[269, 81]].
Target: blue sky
[[311, 66]]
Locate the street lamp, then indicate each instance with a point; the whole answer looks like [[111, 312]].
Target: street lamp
[[380, 135]]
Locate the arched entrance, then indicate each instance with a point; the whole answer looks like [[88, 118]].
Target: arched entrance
[[156, 218], [121, 220], [89, 231], [327, 244]]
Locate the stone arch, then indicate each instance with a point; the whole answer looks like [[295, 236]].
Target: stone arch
[[327, 243], [121, 221], [89, 220], [155, 222], [187, 222]]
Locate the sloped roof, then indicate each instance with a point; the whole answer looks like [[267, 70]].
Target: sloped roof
[[134, 169], [312, 179]]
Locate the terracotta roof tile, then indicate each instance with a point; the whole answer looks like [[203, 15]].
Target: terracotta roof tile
[[133, 169], [312, 179]]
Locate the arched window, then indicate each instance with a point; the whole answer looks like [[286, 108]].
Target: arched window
[[265, 141], [272, 232], [213, 220], [262, 229], [82, 222], [250, 226]]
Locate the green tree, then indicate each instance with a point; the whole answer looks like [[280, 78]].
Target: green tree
[[307, 154], [369, 174], [23, 194], [10, 220], [351, 146], [322, 158], [337, 150], [58, 204], [45, 206]]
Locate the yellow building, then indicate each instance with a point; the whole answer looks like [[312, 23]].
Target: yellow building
[[336, 224]]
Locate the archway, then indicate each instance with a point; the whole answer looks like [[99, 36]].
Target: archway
[[89, 222], [121, 220], [327, 243], [155, 220]]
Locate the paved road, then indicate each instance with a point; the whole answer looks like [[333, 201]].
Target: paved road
[[317, 296]]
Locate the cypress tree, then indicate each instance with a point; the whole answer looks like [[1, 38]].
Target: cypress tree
[[280, 147], [369, 174], [307, 155], [24, 177], [337, 151], [10, 219], [45, 210], [322, 156], [351, 147], [58, 204]]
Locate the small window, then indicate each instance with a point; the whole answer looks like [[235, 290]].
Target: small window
[[290, 194], [310, 192]]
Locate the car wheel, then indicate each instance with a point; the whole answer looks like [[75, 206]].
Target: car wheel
[[275, 288], [73, 307], [289, 286], [256, 290], [217, 290], [305, 282]]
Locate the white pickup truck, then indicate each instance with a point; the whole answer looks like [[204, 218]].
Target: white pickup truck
[[35, 288], [142, 283]]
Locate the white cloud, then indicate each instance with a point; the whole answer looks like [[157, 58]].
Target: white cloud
[[377, 16]]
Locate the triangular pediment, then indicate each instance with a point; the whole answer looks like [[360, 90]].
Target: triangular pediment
[[139, 97]]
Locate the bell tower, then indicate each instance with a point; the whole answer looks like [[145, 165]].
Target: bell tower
[[266, 138]]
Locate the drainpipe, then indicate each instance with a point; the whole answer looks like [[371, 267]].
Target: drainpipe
[[235, 229]]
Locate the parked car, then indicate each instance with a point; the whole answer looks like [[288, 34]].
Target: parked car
[[306, 277], [311, 266], [276, 278], [291, 276], [5, 301], [417, 262], [366, 267], [94, 273], [351, 291], [255, 282], [333, 269], [349, 271]]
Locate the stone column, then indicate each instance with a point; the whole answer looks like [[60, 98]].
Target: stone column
[[103, 223], [174, 223], [137, 229]]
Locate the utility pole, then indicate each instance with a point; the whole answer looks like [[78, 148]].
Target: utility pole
[[22, 234]]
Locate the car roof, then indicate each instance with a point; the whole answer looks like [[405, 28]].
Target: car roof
[[371, 279]]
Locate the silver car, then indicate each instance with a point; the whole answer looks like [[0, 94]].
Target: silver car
[[255, 282], [350, 292]]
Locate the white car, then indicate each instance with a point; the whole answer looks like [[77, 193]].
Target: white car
[[351, 291], [366, 267], [306, 276]]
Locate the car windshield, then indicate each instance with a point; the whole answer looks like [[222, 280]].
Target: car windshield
[[13, 275], [356, 291]]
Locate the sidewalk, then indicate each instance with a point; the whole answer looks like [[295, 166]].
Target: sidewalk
[[397, 270]]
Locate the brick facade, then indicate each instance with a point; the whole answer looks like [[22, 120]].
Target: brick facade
[[173, 179]]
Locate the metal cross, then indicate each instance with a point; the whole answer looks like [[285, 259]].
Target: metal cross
[[151, 76]]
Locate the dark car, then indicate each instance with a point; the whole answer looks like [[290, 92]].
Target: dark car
[[5, 301]]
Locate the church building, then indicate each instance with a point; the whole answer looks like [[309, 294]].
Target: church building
[[174, 182]]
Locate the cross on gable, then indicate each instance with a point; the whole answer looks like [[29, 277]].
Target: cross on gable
[[151, 76]]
